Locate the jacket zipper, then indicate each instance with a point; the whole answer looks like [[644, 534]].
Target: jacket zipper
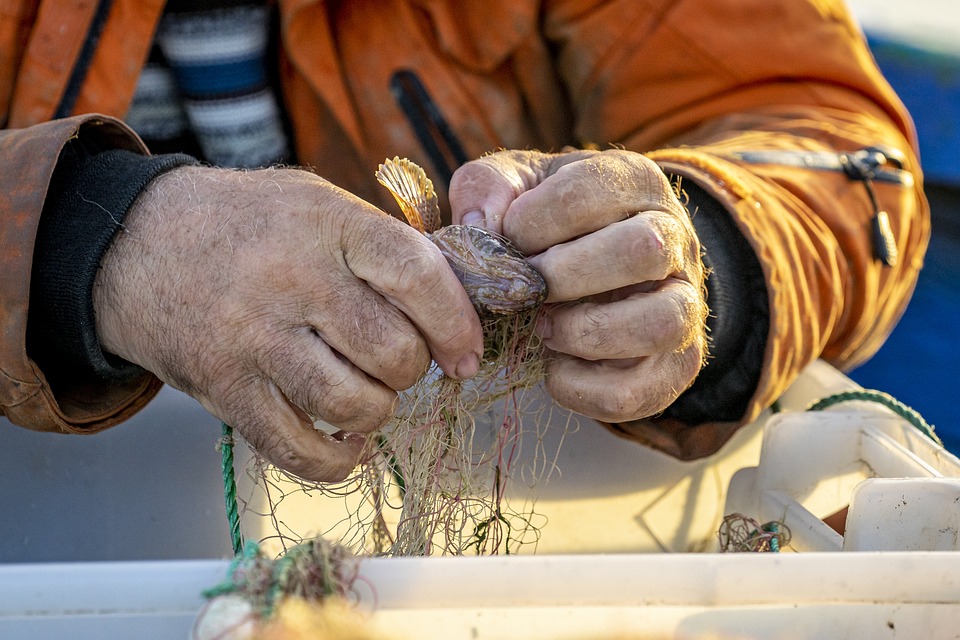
[[82, 65], [881, 164]]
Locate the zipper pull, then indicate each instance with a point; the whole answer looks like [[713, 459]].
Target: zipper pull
[[884, 244], [863, 166]]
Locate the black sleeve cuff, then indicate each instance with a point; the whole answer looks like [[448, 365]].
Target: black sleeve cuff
[[89, 196], [739, 319]]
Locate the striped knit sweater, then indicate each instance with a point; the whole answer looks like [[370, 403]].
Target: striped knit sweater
[[207, 88]]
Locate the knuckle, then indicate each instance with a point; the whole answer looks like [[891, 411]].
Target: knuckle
[[263, 437], [412, 267], [591, 329], [655, 245], [668, 324], [288, 456], [395, 350], [316, 388], [644, 250], [611, 402], [292, 456], [626, 401], [415, 269], [635, 174], [395, 256], [404, 359], [284, 453], [472, 175], [234, 394], [357, 411], [660, 394]]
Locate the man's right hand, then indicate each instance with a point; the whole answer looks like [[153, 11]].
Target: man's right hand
[[276, 298]]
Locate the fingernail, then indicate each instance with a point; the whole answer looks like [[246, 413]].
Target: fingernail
[[544, 327], [468, 366], [473, 218]]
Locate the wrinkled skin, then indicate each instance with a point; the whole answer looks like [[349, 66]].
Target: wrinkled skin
[[624, 321], [275, 298], [495, 275]]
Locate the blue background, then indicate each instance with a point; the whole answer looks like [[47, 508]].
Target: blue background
[[919, 363]]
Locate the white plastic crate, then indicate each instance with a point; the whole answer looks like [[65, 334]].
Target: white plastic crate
[[593, 577], [902, 489], [866, 595]]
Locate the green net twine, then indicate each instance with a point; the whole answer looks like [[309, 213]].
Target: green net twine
[[885, 399], [230, 487]]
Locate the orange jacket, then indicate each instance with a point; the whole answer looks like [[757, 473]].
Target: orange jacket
[[689, 82]]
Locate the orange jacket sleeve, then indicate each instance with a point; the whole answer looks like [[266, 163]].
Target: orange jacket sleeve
[[28, 157], [694, 84]]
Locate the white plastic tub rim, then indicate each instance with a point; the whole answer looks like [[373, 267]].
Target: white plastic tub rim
[[813, 595]]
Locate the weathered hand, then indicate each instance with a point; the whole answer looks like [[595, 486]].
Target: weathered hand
[[275, 298], [625, 321]]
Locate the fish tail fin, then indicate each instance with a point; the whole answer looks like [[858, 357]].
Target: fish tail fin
[[413, 191]]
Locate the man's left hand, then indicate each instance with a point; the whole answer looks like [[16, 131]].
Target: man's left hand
[[624, 327]]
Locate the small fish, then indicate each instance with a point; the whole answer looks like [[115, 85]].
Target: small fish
[[496, 276]]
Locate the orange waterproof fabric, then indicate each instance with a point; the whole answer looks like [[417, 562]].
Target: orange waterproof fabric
[[686, 81]]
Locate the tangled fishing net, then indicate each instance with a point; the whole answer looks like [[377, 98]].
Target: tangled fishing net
[[438, 478], [452, 473], [741, 534]]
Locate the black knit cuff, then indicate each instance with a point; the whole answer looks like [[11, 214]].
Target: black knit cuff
[[739, 318], [89, 196]]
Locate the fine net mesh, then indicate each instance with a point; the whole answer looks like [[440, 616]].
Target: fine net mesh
[[454, 472]]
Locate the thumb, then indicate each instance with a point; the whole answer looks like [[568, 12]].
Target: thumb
[[482, 190], [410, 272]]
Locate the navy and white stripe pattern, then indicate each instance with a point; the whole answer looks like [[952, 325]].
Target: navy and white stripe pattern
[[157, 113], [217, 59]]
